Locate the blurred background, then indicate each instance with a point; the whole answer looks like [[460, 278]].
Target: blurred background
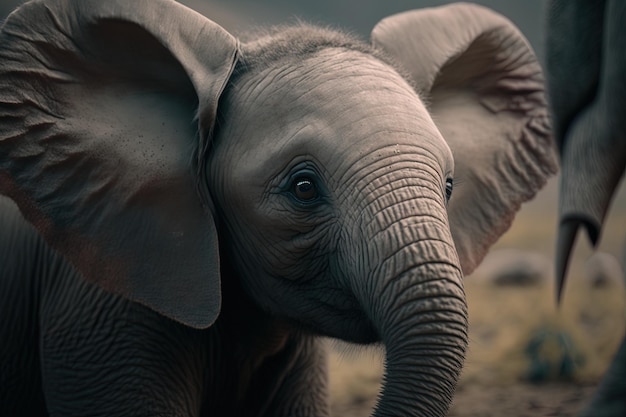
[[527, 357]]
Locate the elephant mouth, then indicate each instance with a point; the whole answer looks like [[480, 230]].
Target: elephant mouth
[[359, 329], [343, 318], [350, 326]]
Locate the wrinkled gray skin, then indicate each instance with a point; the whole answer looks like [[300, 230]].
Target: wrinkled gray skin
[[192, 213], [586, 73]]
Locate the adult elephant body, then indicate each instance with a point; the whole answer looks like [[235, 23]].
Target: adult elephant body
[[166, 267], [586, 67]]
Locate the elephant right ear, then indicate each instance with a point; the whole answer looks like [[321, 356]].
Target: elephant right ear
[[485, 91], [98, 135]]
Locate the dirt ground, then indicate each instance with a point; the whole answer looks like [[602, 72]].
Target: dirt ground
[[522, 400], [517, 400]]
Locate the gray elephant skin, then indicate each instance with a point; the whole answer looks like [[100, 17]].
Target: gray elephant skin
[[586, 74], [189, 212]]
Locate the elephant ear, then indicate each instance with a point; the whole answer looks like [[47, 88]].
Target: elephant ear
[[485, 90], [98, 135]]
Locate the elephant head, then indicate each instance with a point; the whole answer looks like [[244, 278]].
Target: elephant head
[[585, 72], [163, 157]]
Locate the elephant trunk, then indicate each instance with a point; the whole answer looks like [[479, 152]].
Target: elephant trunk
[[417, 304], [425, 340]]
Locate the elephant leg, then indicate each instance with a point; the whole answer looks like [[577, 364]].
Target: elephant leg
[[105, 356], [303, 389], [610, 398]]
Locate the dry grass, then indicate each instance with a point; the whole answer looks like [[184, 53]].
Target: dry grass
[[504, 322]]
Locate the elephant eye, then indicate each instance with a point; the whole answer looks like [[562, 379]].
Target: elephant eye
[[304, 189], [449, 185]]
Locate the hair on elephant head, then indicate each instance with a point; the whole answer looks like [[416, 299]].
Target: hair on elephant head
[[254, 195]]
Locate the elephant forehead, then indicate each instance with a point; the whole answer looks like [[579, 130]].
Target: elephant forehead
[[332, 102]]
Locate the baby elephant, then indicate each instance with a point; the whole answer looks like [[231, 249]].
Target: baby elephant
[[198, 210]]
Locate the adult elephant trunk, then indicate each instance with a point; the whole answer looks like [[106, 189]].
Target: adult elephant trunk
[[415, 297]]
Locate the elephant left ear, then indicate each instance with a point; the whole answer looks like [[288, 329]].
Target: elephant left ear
[[485, 90], [98, 102]]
